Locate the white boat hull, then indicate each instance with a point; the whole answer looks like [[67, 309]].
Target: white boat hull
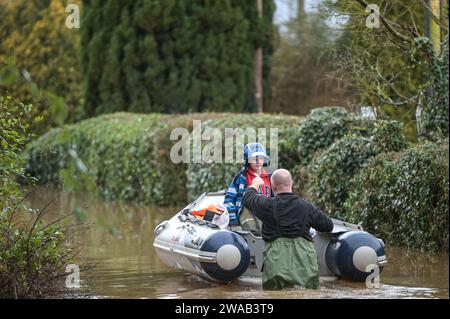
[[202, 248]]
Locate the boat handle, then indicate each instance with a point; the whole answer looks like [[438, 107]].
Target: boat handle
[[160, 227]]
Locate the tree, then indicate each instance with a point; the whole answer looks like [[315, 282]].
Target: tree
[[34, 34], [394, 66], [171, 56], [303, 76]]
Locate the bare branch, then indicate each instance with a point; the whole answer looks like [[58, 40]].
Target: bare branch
[[387, 23]]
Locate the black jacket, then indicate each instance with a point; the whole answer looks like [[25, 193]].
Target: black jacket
[[286, 215]]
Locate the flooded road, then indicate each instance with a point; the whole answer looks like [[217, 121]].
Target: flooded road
[[120, 242]]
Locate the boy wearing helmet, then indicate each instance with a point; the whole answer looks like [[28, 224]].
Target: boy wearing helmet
[[255, 158]]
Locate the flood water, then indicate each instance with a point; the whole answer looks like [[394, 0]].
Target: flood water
[[119, 242]]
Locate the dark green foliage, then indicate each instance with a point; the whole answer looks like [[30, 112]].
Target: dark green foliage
[[171, 56], [435, 116], [387, 135], [403, 197], [320, 129], [117, 152], [323, 126], [333, 169]]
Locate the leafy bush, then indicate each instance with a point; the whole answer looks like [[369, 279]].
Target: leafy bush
[[116, 151], [34, 256], [14, 123], [320, 129], [331, 172], [33, 253], [435, 115], [387, 135], [403, 197]]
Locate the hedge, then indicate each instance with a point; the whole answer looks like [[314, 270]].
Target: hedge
[[326, 181], [115, 150], [403, 197], [324, 126], [320, 129], [33, 252], [127, 155]]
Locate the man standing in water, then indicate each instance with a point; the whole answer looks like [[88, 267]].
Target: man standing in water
[[289, 255]]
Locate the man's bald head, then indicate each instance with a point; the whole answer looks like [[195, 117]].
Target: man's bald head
[[281, 181]]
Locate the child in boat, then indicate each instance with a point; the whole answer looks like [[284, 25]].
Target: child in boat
[[255, 158]]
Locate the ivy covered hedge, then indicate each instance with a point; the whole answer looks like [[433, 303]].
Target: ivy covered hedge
[[323, 126], [332, 170], [403, 197], [117, 151], [320, 129], [127, 156]]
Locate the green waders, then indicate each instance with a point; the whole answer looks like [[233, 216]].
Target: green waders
[[290, 262]]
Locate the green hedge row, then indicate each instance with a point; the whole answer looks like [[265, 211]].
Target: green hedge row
[[117, 150], [332, 170], [323, 126], [127, 155], [403, 197]]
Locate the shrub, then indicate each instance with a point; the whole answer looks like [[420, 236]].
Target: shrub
[[117, 151], [435, 112], [387, 135], [320, 129], [403, 197], [33, 253], [331, 172], [14, 119]]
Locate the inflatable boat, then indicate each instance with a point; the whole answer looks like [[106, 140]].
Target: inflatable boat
[[217, 253]]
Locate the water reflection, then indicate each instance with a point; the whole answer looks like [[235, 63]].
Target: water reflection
[[120, 243]]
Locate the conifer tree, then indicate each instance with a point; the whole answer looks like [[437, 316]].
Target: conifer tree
[[173, 55], [34, 34]]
